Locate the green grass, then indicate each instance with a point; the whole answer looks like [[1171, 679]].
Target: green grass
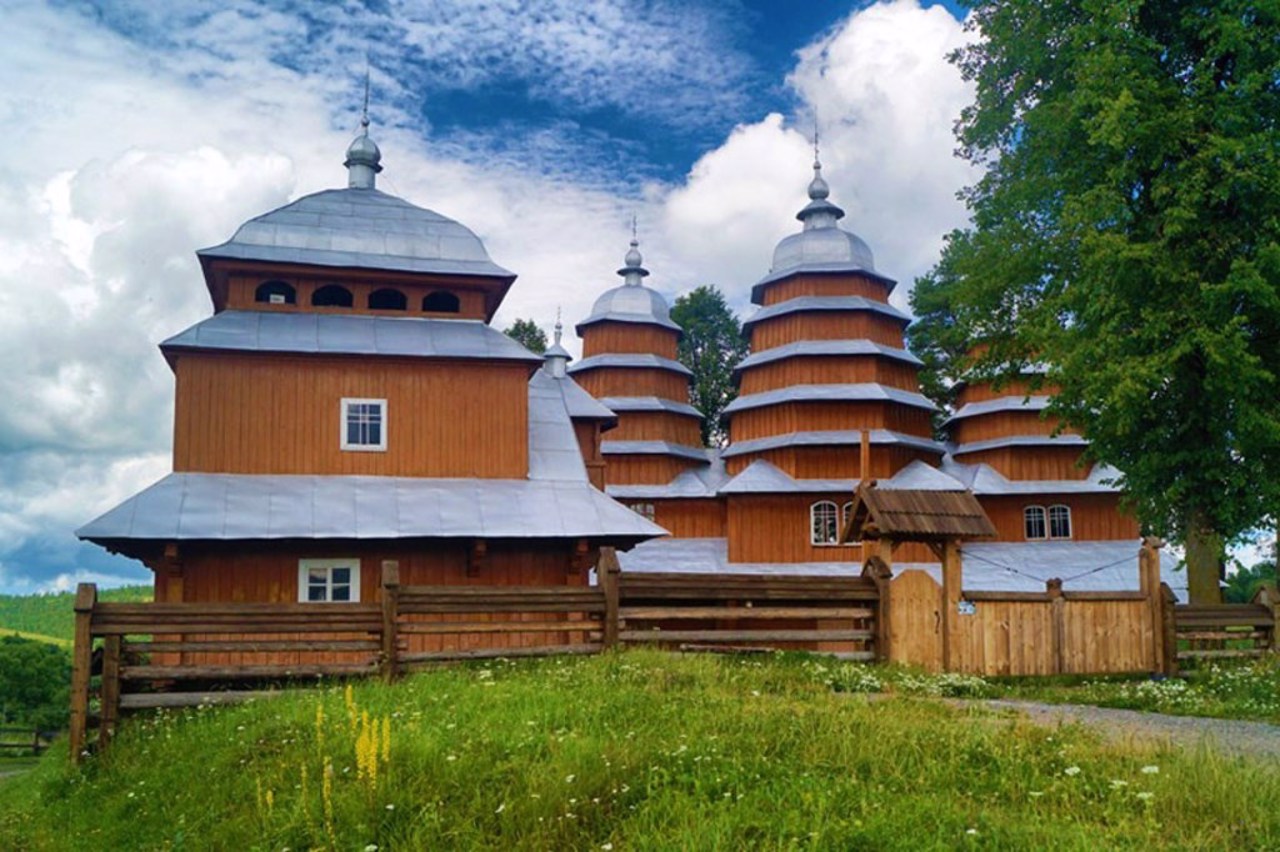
[[52, 615], [1227, 690], [36, 637], [634, 750]]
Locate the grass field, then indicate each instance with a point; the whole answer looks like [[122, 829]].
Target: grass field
[[52, 616], [36, 637], [634, 750]]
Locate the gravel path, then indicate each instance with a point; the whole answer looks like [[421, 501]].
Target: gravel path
[[1229, 736]]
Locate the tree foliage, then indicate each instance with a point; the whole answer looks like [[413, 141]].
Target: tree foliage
[[35, 680], [1126, 232], [711, 347], [528, 334]]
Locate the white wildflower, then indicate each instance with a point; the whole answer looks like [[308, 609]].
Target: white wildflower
[[1151, 770], [502, 807], [1145, 796], [1071, 770]]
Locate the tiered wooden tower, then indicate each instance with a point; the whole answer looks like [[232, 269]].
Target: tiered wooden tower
[[1027, 468], [629, 363]]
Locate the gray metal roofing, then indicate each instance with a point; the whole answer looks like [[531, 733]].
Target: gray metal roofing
[[363, 229], [632, 303], [816, 267], [1021, 441], [702, 481], [918, 476], [830, 438], [805, 348], [1004, 403], [984, 565], [831, 393], [983, 479], [349, 334], [761, 477], [825, 303], [630, 360], [190, 506], [655, 448], [554, 453], [650, 403], [580, 404]]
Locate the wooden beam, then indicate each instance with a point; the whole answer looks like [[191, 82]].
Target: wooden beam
[[390, 615], [952, 584], [608, 571], [81, 665]]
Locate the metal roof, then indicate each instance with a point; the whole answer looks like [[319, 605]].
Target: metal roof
[[830, 438], [656, 448], [1021, 441], [630, 360], [984, 565], [825, 303], [983, 479], [650, 403], [807, 348], [865, 391], [210, 506], [761, 477], [810, 246], [1004, 403], [360, 228], [349, 334], [632, 303], [923, 477], [701, 481], [579, 404], [554, 453], [916, 515]]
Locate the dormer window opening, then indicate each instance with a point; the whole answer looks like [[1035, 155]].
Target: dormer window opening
[[1033, 523], [332, 296], [388, 299], [644, 510], [824, 523], [276, 292], [441, 302]]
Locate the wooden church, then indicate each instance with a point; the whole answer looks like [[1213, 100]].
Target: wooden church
[[348, 403], [829, 398]]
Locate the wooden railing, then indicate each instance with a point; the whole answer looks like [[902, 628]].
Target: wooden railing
[[17, 741], [1225, 631]]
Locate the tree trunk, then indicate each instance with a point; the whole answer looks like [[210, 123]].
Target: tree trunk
[[1204, 565]]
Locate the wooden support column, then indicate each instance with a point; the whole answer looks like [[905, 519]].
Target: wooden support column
[[1057, 625], [882, 575], [1149, 585], [609, 575], [580, 561], [864, 455], [952, 581], [1168, 618], [81, 669], [390, 614], [110, 690]]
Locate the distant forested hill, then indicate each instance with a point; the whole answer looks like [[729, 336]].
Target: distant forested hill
[[52, 615]]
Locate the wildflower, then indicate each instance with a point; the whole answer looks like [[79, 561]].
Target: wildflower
[[1071, 770], [452, 757], [569, 780], [1035, 794], [1116, 784], [972, 831], [502, 807], [606, 846], [391, 807], [1151, 770], [1145, 796], [372, 847]]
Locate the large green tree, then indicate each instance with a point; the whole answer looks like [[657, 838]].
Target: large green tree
[[529, 334], [711, 347], [1126, 232]]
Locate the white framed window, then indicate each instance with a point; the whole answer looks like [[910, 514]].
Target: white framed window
[[645, 510], [1059, 521], [1033, 523], [364, 424], [328, 580], [824, 522], [846, 515]]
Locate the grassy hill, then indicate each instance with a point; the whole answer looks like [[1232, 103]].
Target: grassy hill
[[51, 615], [634, 750]]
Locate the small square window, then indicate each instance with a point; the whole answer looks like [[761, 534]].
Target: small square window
[[645, 510], [329, 580], [364, 425]]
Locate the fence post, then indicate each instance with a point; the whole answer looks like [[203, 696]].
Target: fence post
[[608, 572], [1058, 624], [1169, 624], [952, 582], [81, 665], [1149, 583], [390, 613], [110, 690]]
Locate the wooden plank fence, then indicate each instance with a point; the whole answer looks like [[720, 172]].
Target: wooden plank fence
[[20, 741], [133, 656]]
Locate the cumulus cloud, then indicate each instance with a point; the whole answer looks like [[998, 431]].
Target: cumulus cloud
[[130, 160]]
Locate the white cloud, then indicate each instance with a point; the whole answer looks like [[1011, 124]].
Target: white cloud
[[129, 161]]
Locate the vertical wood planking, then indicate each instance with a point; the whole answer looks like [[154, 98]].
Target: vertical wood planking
[[81, 664]]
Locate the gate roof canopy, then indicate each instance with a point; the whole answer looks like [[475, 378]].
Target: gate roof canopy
[[915, 515]]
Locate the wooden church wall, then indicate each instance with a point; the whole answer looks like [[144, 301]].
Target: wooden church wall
[[643, 469], [1002, 424], [703, 518], [1031, 463], [822, 370], [657, 426], [624, 337], [788, 417], [637, 381], [824, 285], [242, 290], [825, 325], [274, 414], [1094, 517]]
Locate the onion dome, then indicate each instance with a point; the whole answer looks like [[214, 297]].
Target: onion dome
[[822, 246], [632, 302], [364, 160], [557, 356]]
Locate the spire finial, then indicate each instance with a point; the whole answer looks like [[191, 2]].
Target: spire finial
[[556, 357], [631, 270], [559, 326], [364, 160]]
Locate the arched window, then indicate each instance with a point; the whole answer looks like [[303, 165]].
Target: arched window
[[824, 520], [1059, 521], [1033, 522], [441, 302], [387, 299], [276, 292], [332, 296]]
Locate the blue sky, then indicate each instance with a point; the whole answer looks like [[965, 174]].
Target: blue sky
[[139, 132]]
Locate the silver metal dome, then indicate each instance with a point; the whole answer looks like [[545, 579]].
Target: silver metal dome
[[364, 160], [632, 302]]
